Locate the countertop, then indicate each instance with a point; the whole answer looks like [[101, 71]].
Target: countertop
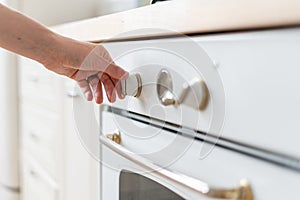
[[186, 17]]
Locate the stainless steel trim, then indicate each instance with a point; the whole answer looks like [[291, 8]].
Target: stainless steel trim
[[241, 192], [276, 158], [140, 83]]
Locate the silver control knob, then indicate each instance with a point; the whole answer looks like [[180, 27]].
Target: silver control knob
[[132, 86]]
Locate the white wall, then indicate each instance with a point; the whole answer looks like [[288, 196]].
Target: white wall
[[112, 6], [53, 12]]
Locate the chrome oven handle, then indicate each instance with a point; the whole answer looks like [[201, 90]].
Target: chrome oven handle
[[242, 191], [194, 93]]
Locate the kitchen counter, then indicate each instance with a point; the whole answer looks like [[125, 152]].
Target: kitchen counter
[[186, 17]]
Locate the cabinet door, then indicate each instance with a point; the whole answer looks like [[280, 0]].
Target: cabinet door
[[81, 169], [41, 136], [37, 184], [38, 85]]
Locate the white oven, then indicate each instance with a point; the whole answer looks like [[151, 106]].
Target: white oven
[[158, 167], [213, 117]]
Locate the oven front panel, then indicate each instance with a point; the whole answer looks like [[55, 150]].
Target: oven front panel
[[252, 80], [251, 120]]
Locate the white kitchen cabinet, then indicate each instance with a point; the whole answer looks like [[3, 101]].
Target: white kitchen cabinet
[[41, 134], [48, 134], [55, 165], [38, 81], [37, 184], [81, 168]]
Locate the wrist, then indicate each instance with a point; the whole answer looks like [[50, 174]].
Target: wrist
[[66, 52]]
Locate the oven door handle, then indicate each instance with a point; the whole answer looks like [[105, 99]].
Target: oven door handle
[[242, 191]]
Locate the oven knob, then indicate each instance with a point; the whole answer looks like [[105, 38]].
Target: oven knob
[[132, 86], [164, 88]]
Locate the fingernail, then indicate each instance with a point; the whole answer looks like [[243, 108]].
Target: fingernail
[[113, 99], [98, 99], [109, 97]]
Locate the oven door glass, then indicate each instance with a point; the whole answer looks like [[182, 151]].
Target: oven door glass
[[134, 186]]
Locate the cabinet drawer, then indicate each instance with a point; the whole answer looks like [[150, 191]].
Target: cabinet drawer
[[38, 84], [37, 184], [219, 167], [41, 135]]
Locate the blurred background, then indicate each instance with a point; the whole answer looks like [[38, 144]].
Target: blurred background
[[52, 12], [41, 156]]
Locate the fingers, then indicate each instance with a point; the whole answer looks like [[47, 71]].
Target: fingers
[[93, 70], [99, 93], [118, 88], [109, 87], [96, 87], [86, 90], [91, 86], [99, 60]]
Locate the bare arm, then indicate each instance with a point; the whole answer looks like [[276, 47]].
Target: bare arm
[[74, 59]]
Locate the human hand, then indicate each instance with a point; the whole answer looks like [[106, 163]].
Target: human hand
[[91, 66]]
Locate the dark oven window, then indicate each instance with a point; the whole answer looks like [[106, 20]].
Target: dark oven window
[[134, 186]]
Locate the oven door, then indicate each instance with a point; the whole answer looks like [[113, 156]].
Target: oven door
[[124, 179], [142, 168]]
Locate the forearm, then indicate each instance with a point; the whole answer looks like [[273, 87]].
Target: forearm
[[26, 37], [77, 60]]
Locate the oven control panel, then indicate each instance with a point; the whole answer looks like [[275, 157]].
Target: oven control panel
[[194, 93], [174, 81]]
